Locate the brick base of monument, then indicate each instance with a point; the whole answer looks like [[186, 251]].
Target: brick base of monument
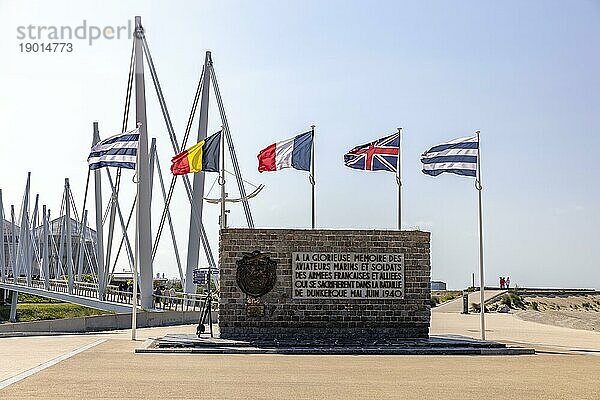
[[287, 312]]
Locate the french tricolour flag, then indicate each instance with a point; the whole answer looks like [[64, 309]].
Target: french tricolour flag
[[294, 152]]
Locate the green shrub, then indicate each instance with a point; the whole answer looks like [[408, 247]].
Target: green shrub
[[506, 300], [512, 300], [87, 278], [449, 296], [534, 305]]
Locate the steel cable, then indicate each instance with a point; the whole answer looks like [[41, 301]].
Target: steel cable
[[232, 153], [176, 147]]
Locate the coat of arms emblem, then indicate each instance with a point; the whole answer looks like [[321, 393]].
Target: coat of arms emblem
[[256, 273]]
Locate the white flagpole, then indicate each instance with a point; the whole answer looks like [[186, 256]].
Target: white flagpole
[[399, 178], [223, 221], [312, 176], [479, 188], [136, 256], [135, 292]]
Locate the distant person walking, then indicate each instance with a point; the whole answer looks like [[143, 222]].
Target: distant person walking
[[502, 282], [172, 295], [507, 282], [122, 290], [165, 294], [157, 293]]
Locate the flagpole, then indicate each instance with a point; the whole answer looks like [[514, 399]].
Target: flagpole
[[312, 174], [399, 178], [479, 188], [137, 252], [223, 223], [135, 292], [102, 268]]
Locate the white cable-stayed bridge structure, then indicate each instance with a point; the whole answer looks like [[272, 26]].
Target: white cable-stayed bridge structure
[[66, 259]]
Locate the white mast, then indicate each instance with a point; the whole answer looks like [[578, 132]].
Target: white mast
[[198, 186], [143, 221], [399, 178], [102, 281], [479, 188]]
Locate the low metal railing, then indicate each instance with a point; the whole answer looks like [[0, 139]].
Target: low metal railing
[[178, 302], [183, 302]]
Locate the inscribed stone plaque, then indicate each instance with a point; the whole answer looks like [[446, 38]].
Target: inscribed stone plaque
[[255, 310], [347, 276]]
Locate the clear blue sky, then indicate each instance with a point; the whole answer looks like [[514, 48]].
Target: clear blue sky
[[524, 73]]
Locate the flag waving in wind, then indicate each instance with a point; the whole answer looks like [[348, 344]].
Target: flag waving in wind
[[458, 156], [294, 152], [297, 153], [203, 156], [461, 157], [379, 155], [116, 151]]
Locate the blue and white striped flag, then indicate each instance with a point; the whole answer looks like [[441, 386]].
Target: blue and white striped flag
[[457, 157], [116, 151]]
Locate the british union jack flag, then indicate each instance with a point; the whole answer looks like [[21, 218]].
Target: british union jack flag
[[379, 155]]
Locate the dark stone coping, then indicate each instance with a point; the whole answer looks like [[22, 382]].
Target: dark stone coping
[[435, 345]]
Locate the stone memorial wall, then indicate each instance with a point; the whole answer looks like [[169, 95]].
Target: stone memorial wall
[[292, 283]]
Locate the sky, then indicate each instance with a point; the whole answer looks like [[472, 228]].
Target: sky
[[523, 73]]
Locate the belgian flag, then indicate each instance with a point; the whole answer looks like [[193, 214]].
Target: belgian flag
[[203, 156]]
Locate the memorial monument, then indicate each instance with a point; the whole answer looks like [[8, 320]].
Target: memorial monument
[[332, 284]]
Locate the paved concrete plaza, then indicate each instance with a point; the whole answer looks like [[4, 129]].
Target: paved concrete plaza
[[567, 366], [509, 329]]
